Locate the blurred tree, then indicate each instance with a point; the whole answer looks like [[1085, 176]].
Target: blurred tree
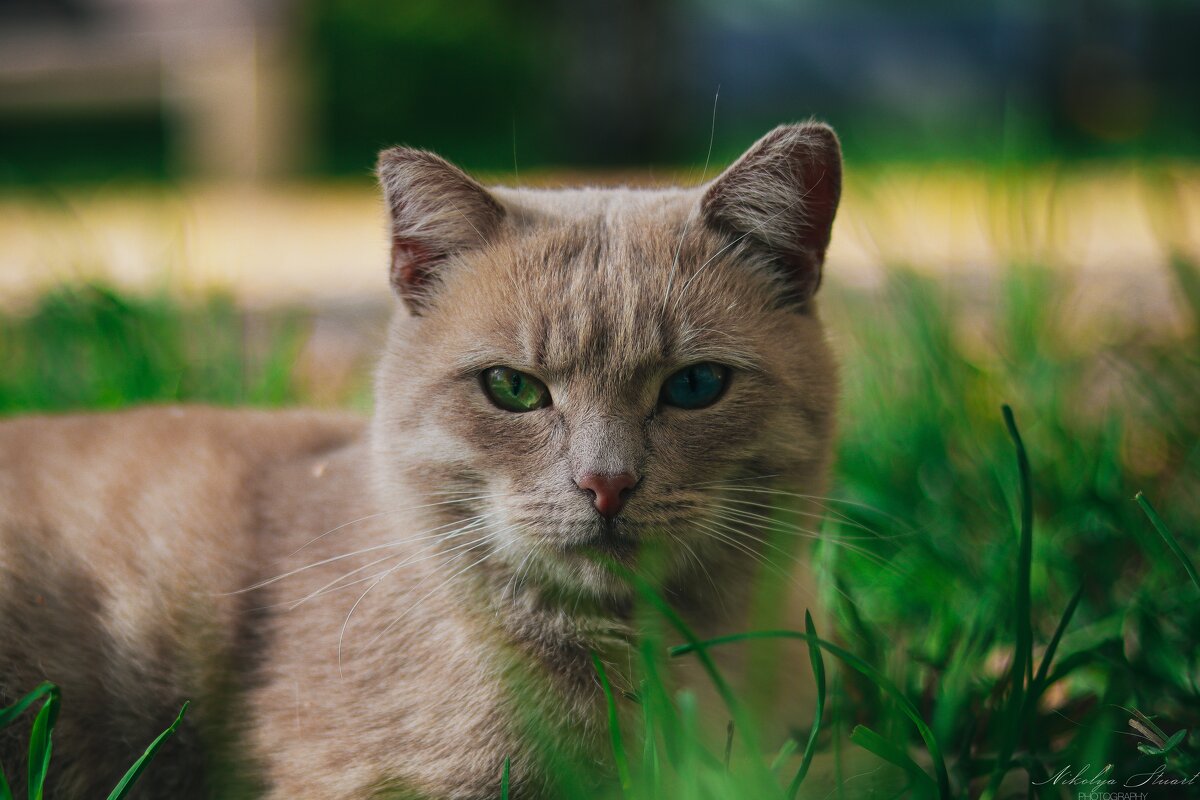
[[457, 78]]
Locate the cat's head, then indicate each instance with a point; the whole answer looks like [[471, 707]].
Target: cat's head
[[603, 370]]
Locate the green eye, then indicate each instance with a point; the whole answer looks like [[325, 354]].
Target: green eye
[[696, 386], [515, 391]]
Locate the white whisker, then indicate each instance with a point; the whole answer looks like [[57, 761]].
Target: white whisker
[[514, 581], [344, 556], [430, 593], [729, 481], [385, 513], [724, 537], [777, 525], [353, 608], [822, 500], [411, 560], [871, 534], [700, 563], [741, 531]]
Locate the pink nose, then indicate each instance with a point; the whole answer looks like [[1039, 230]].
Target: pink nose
[[609, 492]]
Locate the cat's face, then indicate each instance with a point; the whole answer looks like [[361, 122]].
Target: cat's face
[[593, 372]]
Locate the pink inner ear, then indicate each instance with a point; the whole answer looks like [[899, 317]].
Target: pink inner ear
[[822, 182], [412, 263]]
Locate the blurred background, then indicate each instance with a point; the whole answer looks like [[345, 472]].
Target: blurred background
[[151, 141], [187, 213], [93, 90]]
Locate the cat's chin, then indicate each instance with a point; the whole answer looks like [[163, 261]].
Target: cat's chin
[[589, 573], [599, 569]]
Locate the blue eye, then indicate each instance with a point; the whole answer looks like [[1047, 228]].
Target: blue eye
[[696, 386]]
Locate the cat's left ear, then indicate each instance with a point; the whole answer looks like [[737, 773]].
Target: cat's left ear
[[436, 211], [781, 196]]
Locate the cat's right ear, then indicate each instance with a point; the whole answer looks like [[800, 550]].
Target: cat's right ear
[[436, 211]]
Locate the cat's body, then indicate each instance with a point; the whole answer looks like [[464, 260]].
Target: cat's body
[[118, 581], [393, 608]]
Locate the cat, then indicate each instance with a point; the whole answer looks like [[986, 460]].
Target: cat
[[391, 607]]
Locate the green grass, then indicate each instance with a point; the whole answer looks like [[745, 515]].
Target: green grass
[[1001, 606], [92, 348], [41, 741]]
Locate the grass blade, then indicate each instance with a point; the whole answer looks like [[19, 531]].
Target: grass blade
[[504, 779], [856, 663], [648, 593], [650, 767], [1048, 657], [39, 739], [785, 751], [1172, 742], [688, 772], [1171, 541], [139, 766], [1166, 747], [818, 668], [614, 727], [1023, 658], [1042, 679], [764, 779], [1146, 725], [41, 744], [660, 713], [1022, 665], [869, 740], [7, 715]]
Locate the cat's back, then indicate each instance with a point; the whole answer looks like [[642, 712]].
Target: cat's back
[[124, 538], [152, 497], [166, 471]]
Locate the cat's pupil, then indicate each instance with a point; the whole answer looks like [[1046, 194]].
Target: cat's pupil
[[515, 383]]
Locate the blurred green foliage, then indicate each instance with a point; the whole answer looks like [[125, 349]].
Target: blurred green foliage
[[83, 148], [1105, 411], [425, 74], [92, 348]]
